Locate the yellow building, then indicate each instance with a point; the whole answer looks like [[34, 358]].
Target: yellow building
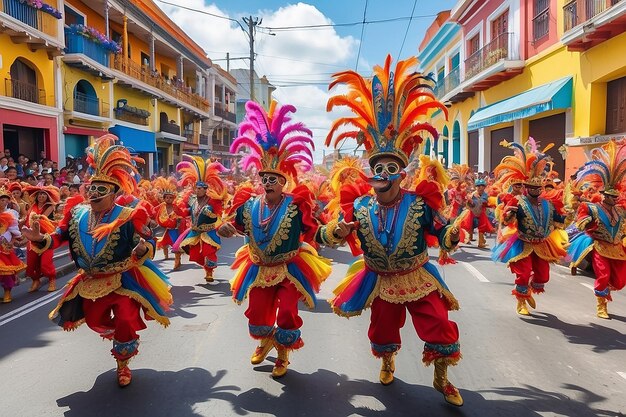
[[131, 71], [30, 105], [551, 70]]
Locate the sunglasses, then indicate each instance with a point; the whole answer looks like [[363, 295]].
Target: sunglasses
[[391, 168], [270, 180], [99, 189]]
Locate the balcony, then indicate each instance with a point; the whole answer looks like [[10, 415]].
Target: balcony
[[25, 24], [190, 135], [131, 114], [180, 93], [24, 91], [587, 23], [448, 85], [218, 147], [90, 105], [495, 62], [78, 44], [221, 110], [204, 139]]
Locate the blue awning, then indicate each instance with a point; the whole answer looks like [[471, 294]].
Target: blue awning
[[134, 139], [554, 95]]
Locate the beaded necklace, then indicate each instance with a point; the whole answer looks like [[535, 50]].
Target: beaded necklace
[[265, 224], [386, 229]]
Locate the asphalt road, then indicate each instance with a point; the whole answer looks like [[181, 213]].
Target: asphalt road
[[562, 361]]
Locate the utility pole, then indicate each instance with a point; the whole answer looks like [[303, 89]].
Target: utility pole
[[252, 22]]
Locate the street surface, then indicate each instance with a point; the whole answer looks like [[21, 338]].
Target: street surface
[[562, 361]]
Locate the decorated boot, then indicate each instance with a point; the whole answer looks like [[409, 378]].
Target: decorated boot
[[177, 257], [52, 284], [124, 375], [7, 296], [387, 368], [450, 393], [123, 352], [261, 351], [35, 285], [280, 367], [602, 308]]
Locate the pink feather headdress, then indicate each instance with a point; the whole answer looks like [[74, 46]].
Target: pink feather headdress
[[275, 144]]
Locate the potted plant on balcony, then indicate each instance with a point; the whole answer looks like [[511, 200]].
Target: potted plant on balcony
[[95, 36], [44, 7]]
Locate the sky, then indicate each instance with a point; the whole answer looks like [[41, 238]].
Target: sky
[[300, 61]]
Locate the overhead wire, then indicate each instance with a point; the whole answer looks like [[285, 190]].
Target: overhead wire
[[407, 28], [356, 66]]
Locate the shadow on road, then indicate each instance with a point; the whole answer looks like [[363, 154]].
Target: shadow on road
[[603, 339], [152, 393], [325, 393]]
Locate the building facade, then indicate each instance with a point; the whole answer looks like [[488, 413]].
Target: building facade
[[508, 70]]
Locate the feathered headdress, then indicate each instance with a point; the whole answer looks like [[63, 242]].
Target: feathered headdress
[[275, 144], [460, 174], [196, 171], [112, 163], [607, 169], [527, 165], [165, 185], [4, 192], [390, 110]]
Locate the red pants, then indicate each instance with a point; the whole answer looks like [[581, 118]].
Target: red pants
[[429, 315], [204, 255], [40, 265], [529, 267], [274, 305], [114, 316], [609, 272]]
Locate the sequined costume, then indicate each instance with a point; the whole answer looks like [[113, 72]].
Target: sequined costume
[[10, 264], [603, 225], [394, 276], [278, 266]]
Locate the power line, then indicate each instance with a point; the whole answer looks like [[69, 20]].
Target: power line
[[332, 25], [199, 11], [407, 29], [299, 60], [356, 66]]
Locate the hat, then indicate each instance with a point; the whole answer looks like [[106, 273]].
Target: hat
[[390, 110], [50, 190], [527, 165], [480, 181], [606, 171], [196, 171], [276, 144], [165, 186], [4, 192], [112, 163]]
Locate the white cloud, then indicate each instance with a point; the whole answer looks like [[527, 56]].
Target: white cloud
[[290, 59]]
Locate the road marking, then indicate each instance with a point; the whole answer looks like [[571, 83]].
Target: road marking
[[622, 374], [27, 308], [474, 272], [584, 284]]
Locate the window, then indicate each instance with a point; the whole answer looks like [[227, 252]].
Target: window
[[473, 45], [72, 17], [541, 20], [145, 60], [500, 25], [24, 82], [616, 106]]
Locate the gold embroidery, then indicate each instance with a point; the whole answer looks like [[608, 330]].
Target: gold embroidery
[[610, 250], [602, 233], [530, 230], [93, 288]]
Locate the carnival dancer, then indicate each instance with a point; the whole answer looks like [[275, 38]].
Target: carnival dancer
[[278, 266], [10, 264], [204, 209], [166, 217], [475, 216], [40, 262], [393, 225], [538, 238], [116, 279], [461, 179], [604, 223]]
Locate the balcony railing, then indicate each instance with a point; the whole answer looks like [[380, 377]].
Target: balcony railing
[[90, 105], [222, 111], [190, 134], [30, 16], [493, 52], [24, 91], [78, 44], [577, 12], [449, 83], [143, 73]]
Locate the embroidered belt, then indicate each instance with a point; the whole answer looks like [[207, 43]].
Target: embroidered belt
[[98, 285], [262, 260], [203, 227], [415, 264], [529, 239]]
